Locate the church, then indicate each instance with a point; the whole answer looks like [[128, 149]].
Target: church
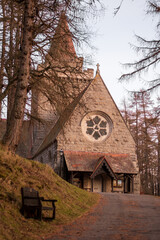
[[83, 136], [88, 144]]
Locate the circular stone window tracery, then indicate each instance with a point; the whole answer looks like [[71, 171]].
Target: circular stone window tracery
[[96, 126]]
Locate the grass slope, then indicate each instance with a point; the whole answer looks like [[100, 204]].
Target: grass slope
[[16, 172]]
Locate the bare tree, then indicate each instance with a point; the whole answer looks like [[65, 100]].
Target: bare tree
[[29, 46], [14, 123], [149, 50], [3, 44], [143, 121]]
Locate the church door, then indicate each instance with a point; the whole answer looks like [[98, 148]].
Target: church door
[[97, 184], [106, 183], [102, 183]]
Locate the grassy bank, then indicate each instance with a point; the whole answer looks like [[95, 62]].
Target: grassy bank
[[16, 172]]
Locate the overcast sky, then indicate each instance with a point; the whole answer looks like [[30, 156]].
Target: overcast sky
[[113, 40]]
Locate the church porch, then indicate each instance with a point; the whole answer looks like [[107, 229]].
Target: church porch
[[100, 172]]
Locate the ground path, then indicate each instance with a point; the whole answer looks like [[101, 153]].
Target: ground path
[[117, 217]]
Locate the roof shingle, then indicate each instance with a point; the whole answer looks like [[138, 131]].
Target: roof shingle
[[87, 161]]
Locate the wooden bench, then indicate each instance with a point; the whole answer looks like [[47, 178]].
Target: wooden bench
[[32, 204]]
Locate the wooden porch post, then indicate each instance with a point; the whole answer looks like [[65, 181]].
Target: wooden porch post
[[92, 184], [102, 184], [71, 178], [124, 183], [112, 183], [132, 183]]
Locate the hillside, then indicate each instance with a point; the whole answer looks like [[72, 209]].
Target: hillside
[[16, 172]]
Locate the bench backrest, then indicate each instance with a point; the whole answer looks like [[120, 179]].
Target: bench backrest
[[30, 197]]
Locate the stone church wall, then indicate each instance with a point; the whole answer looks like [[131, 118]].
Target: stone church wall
[[49, 155], [97, 98]]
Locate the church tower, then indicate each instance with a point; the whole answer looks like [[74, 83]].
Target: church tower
[[63, 79]]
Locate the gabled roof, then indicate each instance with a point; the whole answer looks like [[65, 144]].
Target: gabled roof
[[118, 164], [89, 161], [50, 138], [103, 165], [98, 75]]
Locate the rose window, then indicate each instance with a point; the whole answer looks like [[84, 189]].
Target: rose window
[[96, 127]]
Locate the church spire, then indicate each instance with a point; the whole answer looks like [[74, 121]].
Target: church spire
[[62, 47]]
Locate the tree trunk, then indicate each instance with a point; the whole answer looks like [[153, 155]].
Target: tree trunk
[[14, 125], [3, 53], [12, 90], [158, 164]]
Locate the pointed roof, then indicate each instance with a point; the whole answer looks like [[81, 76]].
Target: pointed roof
[[62, 44], [98, 76], [93, 161], [103, 165], [52, 135]]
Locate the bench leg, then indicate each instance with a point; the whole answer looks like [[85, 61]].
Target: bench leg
[[54, 210], [39, 213]]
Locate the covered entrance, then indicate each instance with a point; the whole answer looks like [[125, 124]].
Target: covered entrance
[[102, 177], [100, 172], [102, 183]]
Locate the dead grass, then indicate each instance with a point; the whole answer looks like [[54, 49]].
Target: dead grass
[[16, 172]]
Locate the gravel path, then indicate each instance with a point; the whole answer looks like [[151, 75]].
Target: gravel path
[[117, 217]]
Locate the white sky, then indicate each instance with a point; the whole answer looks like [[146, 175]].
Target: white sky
[[112, 41]]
